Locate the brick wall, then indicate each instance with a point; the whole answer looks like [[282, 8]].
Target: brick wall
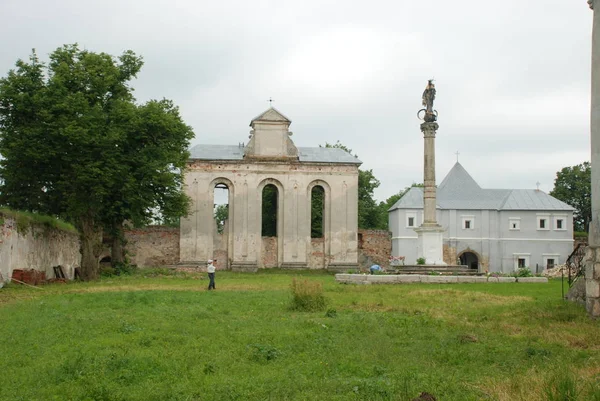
[[450, 257], [220, 246], [269, 252], [153, 246], [317, 253], [374, 246]]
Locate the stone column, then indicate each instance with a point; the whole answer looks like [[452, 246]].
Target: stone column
[[430, 233], [429, 190], [592, 271]]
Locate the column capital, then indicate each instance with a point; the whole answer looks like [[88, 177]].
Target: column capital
[[591, 3], [429, 128]]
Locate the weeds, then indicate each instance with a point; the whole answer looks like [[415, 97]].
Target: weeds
[[307, 296], [562, 387]]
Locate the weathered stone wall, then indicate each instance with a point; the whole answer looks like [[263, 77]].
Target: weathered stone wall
[[245, 181], [449, 255], [592, 281], [317, 255], [269, 252], [374, 246], [220, 246], [153, 246], [39, 248]]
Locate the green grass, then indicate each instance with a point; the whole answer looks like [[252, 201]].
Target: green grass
[[165, 337], [25, 220]]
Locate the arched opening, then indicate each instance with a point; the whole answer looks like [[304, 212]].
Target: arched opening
[[270, 206], [317, 199], [221, 228], [270, 244], [469, 259]]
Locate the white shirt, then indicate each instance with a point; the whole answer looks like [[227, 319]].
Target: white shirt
[[210, 268]]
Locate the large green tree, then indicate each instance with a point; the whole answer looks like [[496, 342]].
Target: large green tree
[[369, 212], [573, 185], [389, 202], [74, 144]]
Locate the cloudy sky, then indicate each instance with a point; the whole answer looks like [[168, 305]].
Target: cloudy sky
[[512, 76]]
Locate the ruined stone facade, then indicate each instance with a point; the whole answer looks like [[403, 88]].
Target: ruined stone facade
[[592, 270], [374, 247], [271, 158], [37, 248], [152, 246]]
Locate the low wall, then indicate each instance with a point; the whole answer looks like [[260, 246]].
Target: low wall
[[153, 246], [432, 279], [317, 254], [37, 247], [269, 252], [374, 247]]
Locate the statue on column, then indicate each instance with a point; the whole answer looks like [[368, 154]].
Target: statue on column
[[428, 98]]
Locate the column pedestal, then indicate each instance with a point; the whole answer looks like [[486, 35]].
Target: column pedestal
[[431, 244], [592, 281]]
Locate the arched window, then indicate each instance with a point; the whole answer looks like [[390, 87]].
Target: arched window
[[270, 207], [221, 206], [317, 207]]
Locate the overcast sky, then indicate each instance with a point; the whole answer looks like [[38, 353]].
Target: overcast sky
[[512, 76]]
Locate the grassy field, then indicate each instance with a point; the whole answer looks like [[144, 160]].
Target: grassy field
[[167, 338]]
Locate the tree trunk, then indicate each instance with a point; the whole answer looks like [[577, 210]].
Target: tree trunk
[[117, 251], [91, 244]]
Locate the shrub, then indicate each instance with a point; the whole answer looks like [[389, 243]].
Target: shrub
[[263, 352], [523, 272], [107, 271], [331, 312], [421, 261], [307, 296]]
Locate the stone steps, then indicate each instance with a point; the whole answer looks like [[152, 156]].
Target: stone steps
[[457, 270], [432, 279]]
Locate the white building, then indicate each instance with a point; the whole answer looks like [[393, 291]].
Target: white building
[[496, 230]]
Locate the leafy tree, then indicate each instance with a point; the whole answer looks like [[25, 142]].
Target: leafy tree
[[75, 145], [369, 212], [153, 156], [389, 202], [573, 185], [221, 215]]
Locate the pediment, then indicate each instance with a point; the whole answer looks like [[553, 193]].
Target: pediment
[[273, 115]]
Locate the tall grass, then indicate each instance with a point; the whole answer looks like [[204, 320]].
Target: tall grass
[[307, 296], [25, 220], [167, 338]]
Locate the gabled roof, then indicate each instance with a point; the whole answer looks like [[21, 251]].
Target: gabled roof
[[305, 154], [412, 199], [271, 114], [459, 191], [533, 199]]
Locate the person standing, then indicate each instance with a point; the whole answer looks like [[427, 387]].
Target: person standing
[[210, 269]]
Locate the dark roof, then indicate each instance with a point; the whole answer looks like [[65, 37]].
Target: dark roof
[[459, 191], [308, 154]]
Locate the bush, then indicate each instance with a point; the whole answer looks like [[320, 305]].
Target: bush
[[421, 261], [307, 296], [523, 272], [107, 271]]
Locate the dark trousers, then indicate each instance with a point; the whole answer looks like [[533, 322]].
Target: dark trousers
[[211, 284]]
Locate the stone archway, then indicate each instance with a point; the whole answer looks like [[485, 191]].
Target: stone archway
[[470, 259], [270, 248], [221, 233]]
